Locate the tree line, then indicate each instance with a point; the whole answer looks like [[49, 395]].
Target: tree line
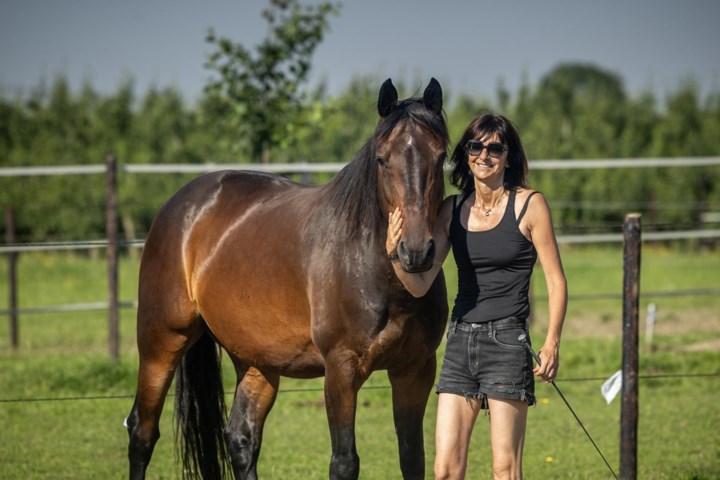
[[258, 108]]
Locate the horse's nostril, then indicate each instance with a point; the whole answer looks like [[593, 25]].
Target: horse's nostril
[[402, 248], [430, 255], [417, 259]]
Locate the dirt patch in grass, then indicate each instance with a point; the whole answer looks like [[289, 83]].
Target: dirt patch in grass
[[671, 323], [709, 345]]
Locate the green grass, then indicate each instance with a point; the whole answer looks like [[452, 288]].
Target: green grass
[[64, 355]]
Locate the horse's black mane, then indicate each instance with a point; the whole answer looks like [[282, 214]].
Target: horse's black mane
[[354, 197]]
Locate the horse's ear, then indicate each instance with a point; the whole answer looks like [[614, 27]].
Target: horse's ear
[[387, 99], [432, 98]]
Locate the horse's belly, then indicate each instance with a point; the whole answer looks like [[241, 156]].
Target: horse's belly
[[283, 347], [278, 354], [264, 323]]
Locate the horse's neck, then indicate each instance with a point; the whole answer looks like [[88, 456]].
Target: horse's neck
[[350, 210], [362, 256]]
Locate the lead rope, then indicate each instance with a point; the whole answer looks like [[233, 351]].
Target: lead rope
[[523, 338]]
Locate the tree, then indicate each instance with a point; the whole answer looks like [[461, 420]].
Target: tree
[[581, 108], [263, 89], [336, 129]]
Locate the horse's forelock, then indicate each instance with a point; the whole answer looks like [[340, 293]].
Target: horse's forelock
[[412, 110]]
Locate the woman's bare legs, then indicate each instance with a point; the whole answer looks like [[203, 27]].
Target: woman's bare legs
[[508, 419], [455, 420]]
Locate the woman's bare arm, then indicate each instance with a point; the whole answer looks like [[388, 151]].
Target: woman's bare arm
[[543, 237], [418, 284]]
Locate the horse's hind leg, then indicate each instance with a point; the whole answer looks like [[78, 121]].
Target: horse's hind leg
[[410, 391], [160, 353], [254, 397]]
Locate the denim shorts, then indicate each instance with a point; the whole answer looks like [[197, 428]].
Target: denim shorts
[[488, 360]]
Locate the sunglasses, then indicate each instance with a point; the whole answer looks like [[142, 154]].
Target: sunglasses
[[475, 148]]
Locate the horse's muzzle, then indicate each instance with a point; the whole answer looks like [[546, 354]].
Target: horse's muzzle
[[416, 260]]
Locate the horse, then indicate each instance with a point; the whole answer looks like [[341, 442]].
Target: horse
[[293, 280]]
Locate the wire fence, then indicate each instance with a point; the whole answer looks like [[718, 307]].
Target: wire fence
[[319, 389], [562, 239], [87, 245], [113, 243], [114, 304]]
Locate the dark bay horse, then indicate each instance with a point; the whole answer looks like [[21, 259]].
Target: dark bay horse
[[293, 280]]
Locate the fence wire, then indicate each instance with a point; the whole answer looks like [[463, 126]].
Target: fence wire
[[659, 376]]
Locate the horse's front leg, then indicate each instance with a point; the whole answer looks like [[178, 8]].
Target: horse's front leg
[[254, 397], [410, 391], [342, 383]]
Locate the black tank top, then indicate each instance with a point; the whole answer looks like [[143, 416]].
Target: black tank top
[[494, 266]]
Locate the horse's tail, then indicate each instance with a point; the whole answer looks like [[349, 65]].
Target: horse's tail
[[200, 413]]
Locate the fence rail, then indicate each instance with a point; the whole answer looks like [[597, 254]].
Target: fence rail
[[561, 239], [128, 304], [307, 167]]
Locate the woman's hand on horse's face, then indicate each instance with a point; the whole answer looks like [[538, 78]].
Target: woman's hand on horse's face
[[395, 221]]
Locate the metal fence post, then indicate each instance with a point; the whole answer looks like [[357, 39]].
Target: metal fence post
[[12, 277], [111, 228], [631, 300]]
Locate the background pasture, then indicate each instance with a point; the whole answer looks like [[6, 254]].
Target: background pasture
[[62, 400], [64, 356]]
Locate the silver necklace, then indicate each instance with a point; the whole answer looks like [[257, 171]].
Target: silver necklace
[[489, 210], [486, 212]]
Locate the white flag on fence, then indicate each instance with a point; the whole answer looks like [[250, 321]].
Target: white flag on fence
[[612, 386]]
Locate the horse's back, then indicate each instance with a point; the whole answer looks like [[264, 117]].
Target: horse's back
[[225, 189], [200, 209]]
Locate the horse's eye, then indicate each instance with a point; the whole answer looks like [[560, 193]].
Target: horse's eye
[[382, 162]]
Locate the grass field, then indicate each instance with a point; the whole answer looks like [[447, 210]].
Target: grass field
[[64, 356]]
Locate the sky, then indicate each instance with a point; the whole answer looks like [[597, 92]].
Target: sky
[[470, 46]]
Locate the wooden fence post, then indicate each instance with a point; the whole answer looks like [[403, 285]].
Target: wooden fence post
[[12, 277], [111, 228], [631, 300]]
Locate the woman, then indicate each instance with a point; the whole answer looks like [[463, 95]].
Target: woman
[[497, 228]]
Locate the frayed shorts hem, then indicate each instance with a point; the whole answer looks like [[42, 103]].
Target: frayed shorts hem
[[526, 397]]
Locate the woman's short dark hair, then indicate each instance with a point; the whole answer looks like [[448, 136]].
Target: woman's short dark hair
[[485, 125]]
